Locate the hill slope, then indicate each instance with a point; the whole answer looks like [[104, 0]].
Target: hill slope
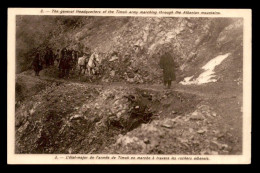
[[126, 109], [194, 41]]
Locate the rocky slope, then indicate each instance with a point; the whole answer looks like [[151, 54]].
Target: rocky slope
[[137, 40], [71, 117], [125, 109]]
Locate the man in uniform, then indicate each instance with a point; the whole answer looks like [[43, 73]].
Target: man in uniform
[[57, 56], [167, 64], [37, 66], [62, 62], [68, 63], [51, 57], [74, 60]]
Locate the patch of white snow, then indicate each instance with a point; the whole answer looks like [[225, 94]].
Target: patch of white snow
[[209, 74]]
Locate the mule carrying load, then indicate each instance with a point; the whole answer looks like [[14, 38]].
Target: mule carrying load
[[70, 59]]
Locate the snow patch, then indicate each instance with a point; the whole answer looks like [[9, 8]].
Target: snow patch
[[208, 75]]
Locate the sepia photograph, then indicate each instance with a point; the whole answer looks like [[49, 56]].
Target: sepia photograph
[[129, 85]]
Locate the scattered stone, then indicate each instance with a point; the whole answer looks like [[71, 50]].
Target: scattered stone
[[215, 131], [70, 150], [112, 73], [174, 121], [146, 141], [203, 152], [220, 135], [214, 152], [119, 114], [191, 137], [174, 112], [154, 143], [196, 116], [22, 128], [92, 151], [224, 146], [186, 119], [215, 144], [31, 111], [167, 125], [225, 152], [113, 58], [201, 131], [75, 117], [191, 130]]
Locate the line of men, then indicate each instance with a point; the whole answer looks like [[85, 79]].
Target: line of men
[[39, 60], [67, 60]]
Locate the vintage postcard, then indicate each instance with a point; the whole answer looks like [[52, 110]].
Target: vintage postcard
[[129, 86]]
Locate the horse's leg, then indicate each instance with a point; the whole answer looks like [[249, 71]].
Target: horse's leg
[[84, 69], [89, 70]]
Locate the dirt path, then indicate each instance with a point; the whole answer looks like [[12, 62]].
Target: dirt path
[[157, 88]]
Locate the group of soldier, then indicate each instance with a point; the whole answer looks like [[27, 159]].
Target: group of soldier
[[69, 59], [66, 60]]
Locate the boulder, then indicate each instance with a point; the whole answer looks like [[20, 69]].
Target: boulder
[[196, 116]]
